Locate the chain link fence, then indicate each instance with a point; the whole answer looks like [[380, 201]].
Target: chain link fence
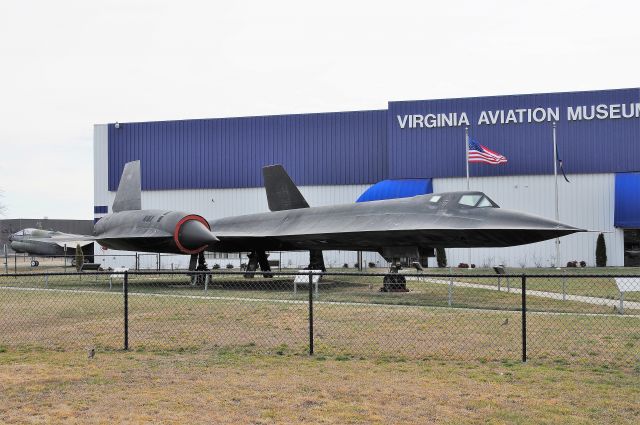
[[28, 263], [568, 318]]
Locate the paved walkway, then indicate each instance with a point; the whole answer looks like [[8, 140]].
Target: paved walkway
[[635, 305]]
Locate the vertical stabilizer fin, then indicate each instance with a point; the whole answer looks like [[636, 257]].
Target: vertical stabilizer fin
[[129, 194], [282, 193]]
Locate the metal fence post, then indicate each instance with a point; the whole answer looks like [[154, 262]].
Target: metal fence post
[[46, 280], [524, 318], [125, 287], [450, 292], [564, 288], [621, 309], [311, 313]]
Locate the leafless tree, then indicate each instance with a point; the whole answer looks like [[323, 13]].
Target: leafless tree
[[3, 208]]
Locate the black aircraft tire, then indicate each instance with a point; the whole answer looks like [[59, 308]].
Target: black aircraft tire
[[394, 278], [394, 282]]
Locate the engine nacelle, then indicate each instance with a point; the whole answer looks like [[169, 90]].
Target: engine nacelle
[[192, 234], [155, 231]]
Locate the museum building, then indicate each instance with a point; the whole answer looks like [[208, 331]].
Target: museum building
[[212, 167]]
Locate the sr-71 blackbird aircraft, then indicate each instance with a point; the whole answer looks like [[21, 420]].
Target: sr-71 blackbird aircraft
[[395, 228]]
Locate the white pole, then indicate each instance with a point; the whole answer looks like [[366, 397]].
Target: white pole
[[466, 157], [466, 149], [555, 178]]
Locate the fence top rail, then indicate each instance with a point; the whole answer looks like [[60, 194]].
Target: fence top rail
[[315, 273], [71, 256]]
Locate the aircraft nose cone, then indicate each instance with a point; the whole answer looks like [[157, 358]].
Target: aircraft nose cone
[[552, 225], [524, 221], [566, 227], [194, 235], [516, 228]]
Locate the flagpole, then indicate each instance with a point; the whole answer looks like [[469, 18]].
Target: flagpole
[[466, 149], [555, 177]]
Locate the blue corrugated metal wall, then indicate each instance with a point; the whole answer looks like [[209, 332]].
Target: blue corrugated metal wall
[[329, 149], [597, 146], [369, 146], [627, 207]]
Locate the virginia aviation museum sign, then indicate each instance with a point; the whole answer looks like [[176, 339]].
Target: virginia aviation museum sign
[[597, 132], [522, 115]]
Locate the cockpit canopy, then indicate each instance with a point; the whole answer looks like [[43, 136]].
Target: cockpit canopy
[[32, 232], [477, 200], [24, 232], [463, 199]]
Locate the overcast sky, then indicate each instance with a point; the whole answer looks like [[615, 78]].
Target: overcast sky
[[65, 65]]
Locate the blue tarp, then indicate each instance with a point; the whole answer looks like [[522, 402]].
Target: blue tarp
[[401, 188], [627, 209]]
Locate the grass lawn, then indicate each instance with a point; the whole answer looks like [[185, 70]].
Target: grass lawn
[[353, 288], [63, 319], [601, 286], [236, 353], [240, 386]]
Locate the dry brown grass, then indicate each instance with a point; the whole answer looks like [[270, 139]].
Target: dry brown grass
[[240, 361], [71, 320], [228, 387]]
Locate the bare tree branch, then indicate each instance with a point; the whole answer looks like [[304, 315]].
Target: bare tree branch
[[3, 207]]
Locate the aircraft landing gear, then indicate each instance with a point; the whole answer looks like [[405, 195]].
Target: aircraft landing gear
[[199, 264], [35, 263], [258, 258], [394, 281]]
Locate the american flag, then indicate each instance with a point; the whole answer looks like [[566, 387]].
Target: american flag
[[479, 153]]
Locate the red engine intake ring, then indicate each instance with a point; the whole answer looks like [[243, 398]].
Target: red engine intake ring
[[177, 231]]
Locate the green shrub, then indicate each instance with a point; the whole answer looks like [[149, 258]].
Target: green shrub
[[601, 251], [441, 257], [79, 257]]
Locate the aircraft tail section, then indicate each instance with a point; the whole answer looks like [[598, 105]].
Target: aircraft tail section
[[282, 193], [129, 194]]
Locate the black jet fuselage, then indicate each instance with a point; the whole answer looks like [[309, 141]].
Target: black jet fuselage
[[454, 219], [436, 220]]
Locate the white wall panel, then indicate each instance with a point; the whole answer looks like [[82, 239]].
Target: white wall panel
[[587, 202], [100, 163]]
